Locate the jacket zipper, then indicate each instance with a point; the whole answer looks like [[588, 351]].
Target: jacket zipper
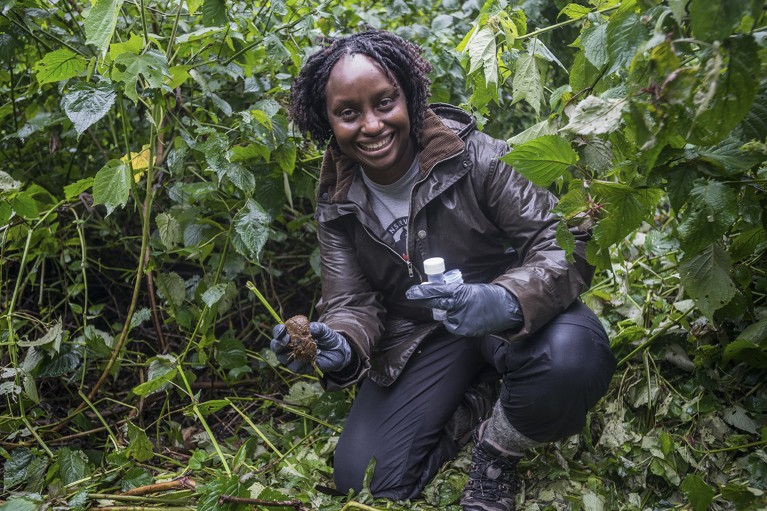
[[410, 211]]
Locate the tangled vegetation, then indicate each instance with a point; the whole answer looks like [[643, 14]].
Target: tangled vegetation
[[156, 217]]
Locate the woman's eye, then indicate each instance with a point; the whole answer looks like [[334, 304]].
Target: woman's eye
[[347, 114], [386, 102]]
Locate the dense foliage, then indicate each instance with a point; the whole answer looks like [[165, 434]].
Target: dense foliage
[[156, 220]]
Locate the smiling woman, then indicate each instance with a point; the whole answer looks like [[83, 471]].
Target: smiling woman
[[368, 114], [395, 166]]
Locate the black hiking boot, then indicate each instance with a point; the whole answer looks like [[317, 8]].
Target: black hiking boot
[[493, 481], [476, 406]]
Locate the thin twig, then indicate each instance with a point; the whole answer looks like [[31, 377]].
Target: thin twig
[[182, 483]]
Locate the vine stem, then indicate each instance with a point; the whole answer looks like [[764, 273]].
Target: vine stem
[[357, 505], [555, 26], [652, 338], [145, 231]]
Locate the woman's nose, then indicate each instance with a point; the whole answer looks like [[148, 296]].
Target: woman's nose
[[371, 124]]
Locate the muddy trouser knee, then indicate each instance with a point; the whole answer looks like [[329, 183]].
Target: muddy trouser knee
[[554, 377]]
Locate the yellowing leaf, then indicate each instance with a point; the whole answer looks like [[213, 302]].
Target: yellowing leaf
[[139, 162]]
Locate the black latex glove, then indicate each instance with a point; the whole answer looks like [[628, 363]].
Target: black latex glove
[[473, 310], [333, 350]]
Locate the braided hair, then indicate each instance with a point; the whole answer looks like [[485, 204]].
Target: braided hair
[[399, 59]]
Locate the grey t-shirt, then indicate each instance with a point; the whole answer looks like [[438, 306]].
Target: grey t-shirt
[[391, 204]]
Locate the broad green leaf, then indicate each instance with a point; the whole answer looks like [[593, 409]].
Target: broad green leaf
[[128, 68], [25, 206], [111, 186], [66, 361], [230, 353], [16, 467], [706, 278], [575, 11], [85, 104], [193, 5], [213, 294], [542, 160], [482, 52], [133, 45], [712, 21], [712, 211], [155, 384], [594, 41], [21, 504], [214, 12], [750, 346], [738, 417], [141, 448], [75, 189], [212, 406], [625, 208], [626, 33], [698, 493], [200, 33], [565, 239], [171, 287], [595, 116], [59, 65], [100, 23], [545, 127], [754, 124], [251, 230], [73, 465], [210, 491], [527, 83], [216, 150], [733, 94], [170, 230], [285, 156]]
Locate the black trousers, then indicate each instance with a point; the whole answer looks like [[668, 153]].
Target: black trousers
[[549, 382]]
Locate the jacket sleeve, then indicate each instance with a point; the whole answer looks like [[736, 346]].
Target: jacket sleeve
[[349, 305], [544, 282]]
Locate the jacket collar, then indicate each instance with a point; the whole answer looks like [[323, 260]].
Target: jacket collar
[[442, 135]]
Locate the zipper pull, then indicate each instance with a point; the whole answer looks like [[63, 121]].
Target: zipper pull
[[409, 269]]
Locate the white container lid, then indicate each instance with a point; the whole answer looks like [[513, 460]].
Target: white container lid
[[434, 265]]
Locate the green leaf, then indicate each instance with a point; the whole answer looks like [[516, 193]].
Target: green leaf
[[155, 384], [527, 82], [101, 22], [171, 287], [25, 206], [625, 207], [230, 353], [216, 153], [482, 52], [575, 11], [73, 465], [75, 189], [152, 65], [706, 278], [140, 447], [545, 127], [85, 104], [698, 493], [170, 230], [712, 211], [566, 239], [734, 90], [712, 21], [16, 467], [595, 116], [65, 362], [251, 230], [224, 485], [750, 346], [543, 159], [133, 45], [112, 185], [212, 406], [214, 12], [213, 294], [594, 41], [59, 65], [53, 336], [625, 34], [21, 504], [285, 156]]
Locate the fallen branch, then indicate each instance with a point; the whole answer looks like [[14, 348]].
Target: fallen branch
[[297, 504], [182, 483]]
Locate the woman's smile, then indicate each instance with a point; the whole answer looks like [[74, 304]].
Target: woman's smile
[[368, 114]]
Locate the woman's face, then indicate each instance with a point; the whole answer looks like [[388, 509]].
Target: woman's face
[[369, 118]]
